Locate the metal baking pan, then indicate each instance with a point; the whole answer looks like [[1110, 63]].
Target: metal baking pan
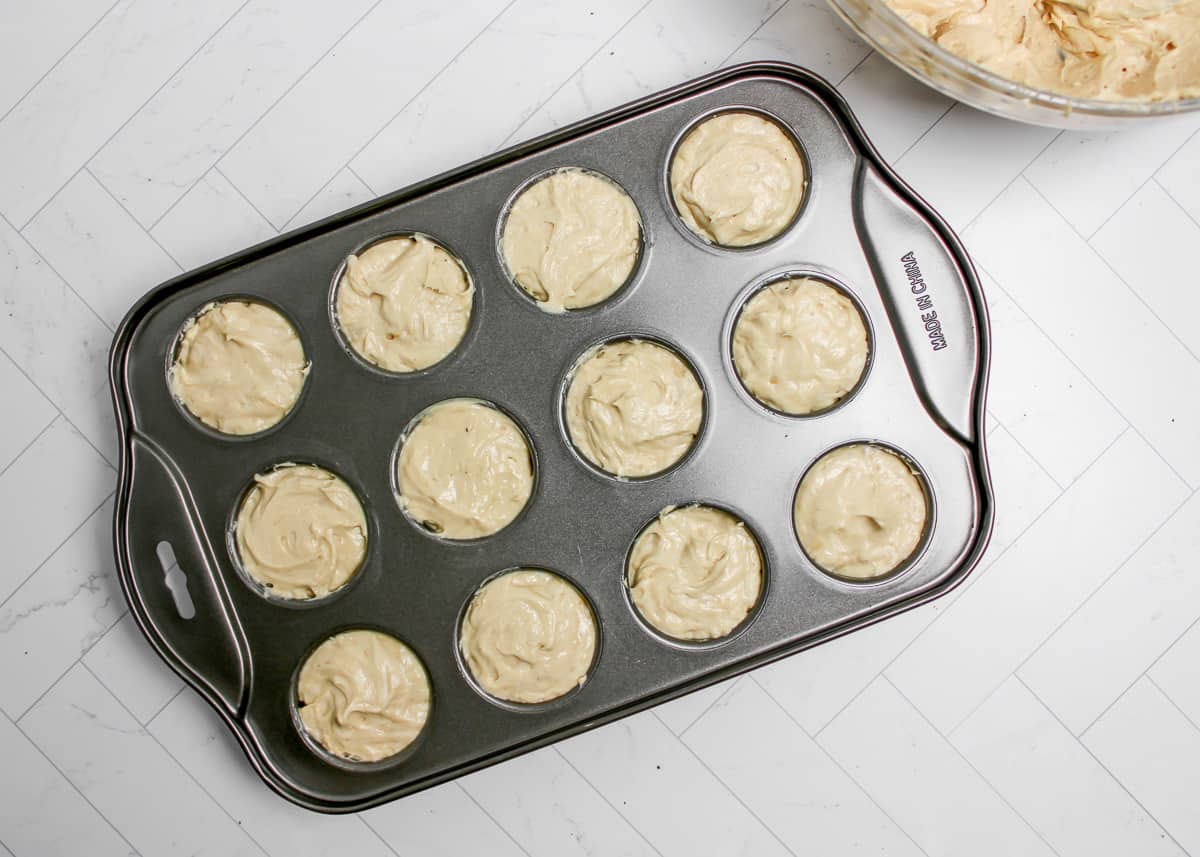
[[860, 226]]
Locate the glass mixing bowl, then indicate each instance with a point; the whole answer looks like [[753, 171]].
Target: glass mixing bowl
[[965, 81]]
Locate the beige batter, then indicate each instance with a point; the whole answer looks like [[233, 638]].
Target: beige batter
[[465, 470], [404, 303], [240, 367], [860, 511], [737, 179], [528, 636], [301, 532], [363, 695], [633, 408], [571, 239], [799, 346], [695, 573], [1138, 50]]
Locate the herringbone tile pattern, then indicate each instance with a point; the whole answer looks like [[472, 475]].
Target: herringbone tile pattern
[[1050, 707]]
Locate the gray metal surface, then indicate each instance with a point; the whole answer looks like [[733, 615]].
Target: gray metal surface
[[859, 224]]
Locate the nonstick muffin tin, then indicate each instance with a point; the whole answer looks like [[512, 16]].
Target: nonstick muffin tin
[[922, 395]]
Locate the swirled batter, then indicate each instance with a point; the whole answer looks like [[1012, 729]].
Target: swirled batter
[[301, 532], [404, 303], [465, 470], [364, 695], [695, 573], [737, 179], [860, 511], [1118, 50], [240, 367], [634, 408], [528, 636], [571, 239], [799, 346]]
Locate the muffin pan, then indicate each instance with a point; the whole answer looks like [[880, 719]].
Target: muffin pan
[[922, 393]]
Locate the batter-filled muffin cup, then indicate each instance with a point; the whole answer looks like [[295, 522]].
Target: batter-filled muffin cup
[[239, 367], [300, 532], [363, 696], [633, 408], [695, 573], [404, 303], [528, 637], [571, 239], [737, 179], [861, 512], [800, 346], [464, 470]]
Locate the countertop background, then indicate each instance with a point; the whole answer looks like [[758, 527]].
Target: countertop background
[[1049, 707]]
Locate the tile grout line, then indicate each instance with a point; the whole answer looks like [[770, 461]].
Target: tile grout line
[[567, 80], [728, 789], [35, 438], [986, 782], [61, 412], [53, 269], [1143, 674], [1151, 178], [291, 224], [1020, 174], [1125, 561], [1054, 343], [1032, 457], [136, 222], [733, 682], [1114, 272], [174, 696], [1174, 513], [1016, 539], [145, 731], [216, 168], [637, 830], [899, 827], [857, 66], [1175, 201], [71, 783], [1174, 704], [458, 784], [58, 61], [78, 660], [88, 517], [761, 24], [424, 87], [270, 107], [1079, 741], [362, 819], [136, 111]]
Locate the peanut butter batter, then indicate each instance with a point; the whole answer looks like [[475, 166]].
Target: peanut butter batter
[[737, 179], [1121, 50], [695, 573], [363, 695], [240, 367], [465, 470], [404, 303], [799, 346], [528, 636], [571, 239], [301, 532], [860, 511], [633, 408]]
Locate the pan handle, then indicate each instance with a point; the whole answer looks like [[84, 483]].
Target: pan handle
[[932, 296], [169, 573]]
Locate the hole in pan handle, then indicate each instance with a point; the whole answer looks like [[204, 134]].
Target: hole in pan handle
[[167, 566], [931, 293]]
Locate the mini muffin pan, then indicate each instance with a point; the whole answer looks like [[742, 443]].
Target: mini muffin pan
[[860, 227]]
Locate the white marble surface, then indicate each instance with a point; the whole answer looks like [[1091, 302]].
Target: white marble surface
[[1050, 707]]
